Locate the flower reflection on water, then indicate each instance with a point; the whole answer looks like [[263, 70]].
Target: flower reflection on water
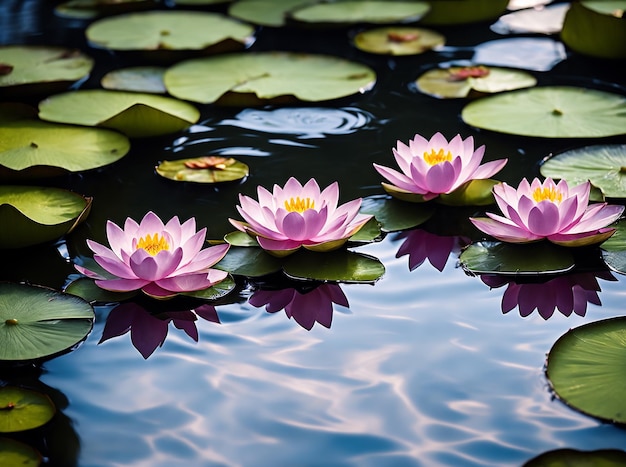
[[420, 245]]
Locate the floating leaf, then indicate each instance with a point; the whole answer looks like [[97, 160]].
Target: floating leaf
[[614, 249], [368, 233], [362, 11], [462, 81], [265, 77], [336, 266], [264, 12], [30, 69], [550, 112], [162, 32], [450, 12], [585, 368], [477, 192], [207, 169], [604, 165], [30, 215], [87, 289], [575, 458], [249, 262], [394, 214], [398, 40], [217, 291], [138, 79], [509, 259], [137, 115], [23, 409], [90, 9], [596, 28], [37, 322], [14, 452]]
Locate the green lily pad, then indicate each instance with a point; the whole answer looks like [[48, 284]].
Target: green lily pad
[[13, 452], [614, 249], [267, 77], [604, 165], [398, 40], [207, 169], [550, 112], [472, 80], [472, 193], [219, 290], [23, 409], [163, 32], [336, 266], [249, 262], [596, 28], [30, 215], [137, 115], [362, 11], [37, 322], [395, 215], [506, 259], [264, 12], [91, 9], [370, 232], [576, 458], [30, 148], [452, 12], [239, 238], [585, 368], [31, 69], [137, 79], [87, 289]]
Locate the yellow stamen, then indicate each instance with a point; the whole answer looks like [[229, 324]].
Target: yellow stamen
[[298, 204], [550, 194], [434, 158], [153, 244]]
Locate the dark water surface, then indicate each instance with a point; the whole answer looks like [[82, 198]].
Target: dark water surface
[[420, 369]]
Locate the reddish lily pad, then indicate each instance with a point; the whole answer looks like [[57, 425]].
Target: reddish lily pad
[[398, 40], [23, 409], [138, 79], [267, 77], [360, 11], [207, 169]]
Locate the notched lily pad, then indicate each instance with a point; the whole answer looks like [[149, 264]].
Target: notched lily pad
[[31, 215], [604, 165], [336, 266], [395, 215], [244, 79], [361, 11], [137, 79], [459, 81], [38, 322], [37, 70], [207, 169], [23, 409], [137, 115], [398, 40], [550, 112], [508, 259], [585, 368]]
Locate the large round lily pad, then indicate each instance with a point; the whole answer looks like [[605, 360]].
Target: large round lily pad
[[586, 368], [31, 215], [451, 12], [137, 115], [207, 169], [13, 452], [604, 165], [550, 112], [162, 32], [360, 11], [37, 322], [31, 69], [23, 409], [398, 40], [267, 77], [337, 266]]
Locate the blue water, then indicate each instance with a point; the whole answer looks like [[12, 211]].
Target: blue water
[[422, 368]]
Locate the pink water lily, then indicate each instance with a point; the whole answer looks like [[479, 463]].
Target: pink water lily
[[299, 216], [160, 259], [549, 210], [434, 167]]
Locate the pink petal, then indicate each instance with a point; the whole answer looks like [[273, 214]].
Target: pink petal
[[396, 178], [543, 219], [191, 282], [504, 232], [121, 285]]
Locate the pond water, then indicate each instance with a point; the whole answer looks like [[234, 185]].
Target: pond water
[[422, 368]]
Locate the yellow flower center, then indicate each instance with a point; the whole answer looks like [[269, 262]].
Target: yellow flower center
[[550, 194], [153, 244], [298, 204], [434, 158]]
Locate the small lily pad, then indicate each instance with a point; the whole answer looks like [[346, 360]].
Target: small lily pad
[[507, 259], [604, 165], [37, 322], [137, 79], [472, 80], [207, 169], [550, 112], [137, 115], [477, 192], [398, 40], [23, 409], [395, 215], [267, 77], [575, 458], [91, 9], [451, 12], [585, 368], [264, 12], [13, 452], [30, 69], [337, 266], [361, 11], [30, 215]]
